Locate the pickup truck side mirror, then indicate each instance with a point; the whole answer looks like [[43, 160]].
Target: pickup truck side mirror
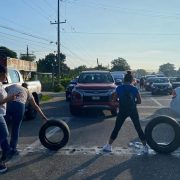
[[118, 81]]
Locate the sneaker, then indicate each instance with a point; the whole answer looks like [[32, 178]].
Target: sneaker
[[145, 149], [3, 167], [107, 148]]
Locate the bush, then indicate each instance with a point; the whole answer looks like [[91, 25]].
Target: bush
[[65, 82], [58, 88]]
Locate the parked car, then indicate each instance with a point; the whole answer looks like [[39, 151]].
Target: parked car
[[148, 83], [94, 89], [70, 88], [161, 85], [176, 82], [175, 102]]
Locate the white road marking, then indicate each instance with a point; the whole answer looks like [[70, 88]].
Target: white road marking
[[37, 143], [157, 102], [135, 148]]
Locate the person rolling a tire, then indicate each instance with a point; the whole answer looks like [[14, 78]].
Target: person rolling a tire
[[16, 109]]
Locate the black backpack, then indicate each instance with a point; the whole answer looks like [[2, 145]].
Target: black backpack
[[126, 102]]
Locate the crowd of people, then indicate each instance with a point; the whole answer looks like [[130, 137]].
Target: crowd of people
[[12, 108]]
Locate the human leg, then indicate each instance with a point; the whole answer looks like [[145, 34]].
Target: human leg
[[6, 150], [135, 119], [119, 122], [17, 112]]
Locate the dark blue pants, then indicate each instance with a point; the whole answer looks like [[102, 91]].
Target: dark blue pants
[[4, 135], [122, 115], [14, 115]]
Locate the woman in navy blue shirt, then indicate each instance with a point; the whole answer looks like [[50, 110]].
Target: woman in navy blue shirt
[[128, 98]]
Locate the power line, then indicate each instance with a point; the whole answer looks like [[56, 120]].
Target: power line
[[24, 33]]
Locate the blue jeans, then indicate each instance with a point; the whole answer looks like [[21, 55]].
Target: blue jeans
[[14, 114], [4, 135]]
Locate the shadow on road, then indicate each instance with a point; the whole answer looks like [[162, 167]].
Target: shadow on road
[[143, 167]]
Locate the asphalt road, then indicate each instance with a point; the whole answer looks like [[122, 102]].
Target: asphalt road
[[82, 158]]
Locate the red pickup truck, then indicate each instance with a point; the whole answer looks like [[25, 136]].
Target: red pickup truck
[[94, 89]]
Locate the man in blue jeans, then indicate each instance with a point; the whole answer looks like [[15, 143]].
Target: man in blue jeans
[[130, 110], [6, 150], [16, 109]]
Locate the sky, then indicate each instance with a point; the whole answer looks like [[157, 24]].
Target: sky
[[145, 33]]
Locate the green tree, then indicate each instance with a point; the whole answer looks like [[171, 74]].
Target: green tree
[[5, 52], [178, 72], [168, 69], [50, 64], [141, 72], [119, 64]]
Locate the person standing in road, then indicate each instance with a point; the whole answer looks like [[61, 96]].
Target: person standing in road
[[142, 82], [128, 98], [16, 109], [6, 150]]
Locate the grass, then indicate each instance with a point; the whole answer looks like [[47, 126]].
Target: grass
[[46, 97]]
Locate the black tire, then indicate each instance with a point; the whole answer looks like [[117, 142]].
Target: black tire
[[30, 112], [51, 145], [165, 149]]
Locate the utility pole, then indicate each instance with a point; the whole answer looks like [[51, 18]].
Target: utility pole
[[58, 40]]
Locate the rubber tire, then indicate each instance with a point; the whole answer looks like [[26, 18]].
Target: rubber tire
[[31, 113], [50, 145], [164, 149]]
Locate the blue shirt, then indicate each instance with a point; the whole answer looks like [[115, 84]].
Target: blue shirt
[[120, 90]]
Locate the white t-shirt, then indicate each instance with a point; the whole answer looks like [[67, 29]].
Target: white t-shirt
[[23, 93], [3, 94]]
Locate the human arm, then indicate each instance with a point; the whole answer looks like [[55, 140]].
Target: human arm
[[38, 109], [8, 98], [138, 98]]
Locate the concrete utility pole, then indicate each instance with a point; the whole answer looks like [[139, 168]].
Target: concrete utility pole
[[58, 40]]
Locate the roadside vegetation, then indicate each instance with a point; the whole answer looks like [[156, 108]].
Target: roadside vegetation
[[47, 69], [46, 97]]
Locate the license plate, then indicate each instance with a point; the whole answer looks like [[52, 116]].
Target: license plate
[[95, 97]]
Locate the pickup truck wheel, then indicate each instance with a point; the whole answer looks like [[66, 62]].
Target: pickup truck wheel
[[30, 112], [163, 148], [61, 142], [114, 112], [74, 111]]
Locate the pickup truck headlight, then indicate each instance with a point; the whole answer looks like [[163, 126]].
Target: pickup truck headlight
[[113, 94], [76, 94]]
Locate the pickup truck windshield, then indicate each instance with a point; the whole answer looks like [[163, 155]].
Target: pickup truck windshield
[[161, 80], [95, 78]]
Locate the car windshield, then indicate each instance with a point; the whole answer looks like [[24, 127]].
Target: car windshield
[[177, 79], [161, 80], [95, 78]]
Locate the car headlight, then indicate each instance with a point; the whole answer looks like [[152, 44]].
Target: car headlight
[[147, 84], [152, 86]]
